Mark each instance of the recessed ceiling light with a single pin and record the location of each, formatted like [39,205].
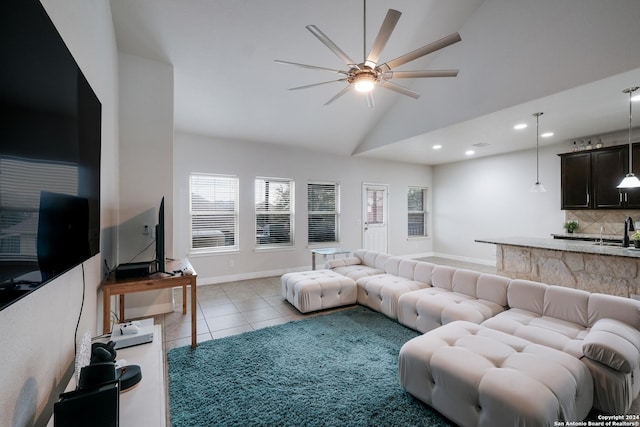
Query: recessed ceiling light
[520,126]
[437,147]
[469,152]
[547,134]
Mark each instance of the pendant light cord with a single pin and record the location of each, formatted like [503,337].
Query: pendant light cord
[631,90]
[538,146]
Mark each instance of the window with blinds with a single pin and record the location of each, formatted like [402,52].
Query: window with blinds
[417,211]
[20,200]
[323,210]
[214,212]
[274,212]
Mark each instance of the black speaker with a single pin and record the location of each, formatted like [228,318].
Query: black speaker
[92,407]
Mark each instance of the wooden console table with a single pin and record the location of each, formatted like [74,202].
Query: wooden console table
[156,281]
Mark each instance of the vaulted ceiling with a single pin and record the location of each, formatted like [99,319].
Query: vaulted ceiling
[570,59]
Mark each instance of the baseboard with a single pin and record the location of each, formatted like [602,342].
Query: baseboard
[248,276]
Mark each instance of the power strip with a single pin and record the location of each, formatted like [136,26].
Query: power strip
[144,336]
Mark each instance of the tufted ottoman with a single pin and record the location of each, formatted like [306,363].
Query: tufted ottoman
[477,376]
[318,289]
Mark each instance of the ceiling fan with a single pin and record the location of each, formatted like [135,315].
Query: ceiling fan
[364,76]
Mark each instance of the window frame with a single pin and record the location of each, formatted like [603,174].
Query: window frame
[424,212]
[335,212]
[235,213]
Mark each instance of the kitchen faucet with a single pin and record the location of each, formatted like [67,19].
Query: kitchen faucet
[628,226]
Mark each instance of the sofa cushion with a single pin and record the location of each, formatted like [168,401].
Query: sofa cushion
[567,304]
[442,277]
[493,288]
[544,330]
[356,271]
[423,271]
[603,306]
[429,308]
[480,377]
[614,344]
[465,282]
[381,292]
[402,267]
[526,295]
[372,258]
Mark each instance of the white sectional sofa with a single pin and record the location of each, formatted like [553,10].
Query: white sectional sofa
[599,332]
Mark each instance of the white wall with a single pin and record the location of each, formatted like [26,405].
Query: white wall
[489,197]
[146,169]
[247,160]
[37,332]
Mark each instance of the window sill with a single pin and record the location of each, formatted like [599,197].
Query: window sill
[210,252]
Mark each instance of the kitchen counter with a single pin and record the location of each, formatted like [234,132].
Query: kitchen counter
[608,268]
[608,248]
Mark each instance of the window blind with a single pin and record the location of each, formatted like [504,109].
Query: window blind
[274,211]
[322,207]
[417,212]
[214,212]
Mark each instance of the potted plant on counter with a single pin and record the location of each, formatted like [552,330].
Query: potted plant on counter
[571,226]
[635,238]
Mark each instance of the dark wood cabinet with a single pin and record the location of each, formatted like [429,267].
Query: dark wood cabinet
[589,179]
[608,168]
[575,180]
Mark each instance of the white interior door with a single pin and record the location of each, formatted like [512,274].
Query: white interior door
[374,217]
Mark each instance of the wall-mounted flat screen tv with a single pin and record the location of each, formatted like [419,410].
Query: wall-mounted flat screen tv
[50,129]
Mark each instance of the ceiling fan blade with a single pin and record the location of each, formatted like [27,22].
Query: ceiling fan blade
[311,67]
[424,50]
[400,89]
[370,101]
[382,38]
[317,84]
[419,74]
[346,89]
[331,45]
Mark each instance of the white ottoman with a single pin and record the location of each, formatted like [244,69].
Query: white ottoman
[318,289]
[477,376]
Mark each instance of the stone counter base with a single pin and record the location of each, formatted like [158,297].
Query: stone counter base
[611,275]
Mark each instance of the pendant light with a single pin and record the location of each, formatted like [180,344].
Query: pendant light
[537,187]
[630,181]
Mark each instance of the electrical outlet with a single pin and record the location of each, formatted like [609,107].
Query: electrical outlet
[232,263]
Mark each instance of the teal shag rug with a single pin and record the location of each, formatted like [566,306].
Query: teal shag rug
[339,369]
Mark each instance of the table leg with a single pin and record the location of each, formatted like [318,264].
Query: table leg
[121,304]
[106,312]
[194,303]
[184,299]
[313,260]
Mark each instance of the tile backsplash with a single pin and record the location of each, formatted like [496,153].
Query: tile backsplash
[590,221]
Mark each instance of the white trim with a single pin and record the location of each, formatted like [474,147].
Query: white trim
[202,281]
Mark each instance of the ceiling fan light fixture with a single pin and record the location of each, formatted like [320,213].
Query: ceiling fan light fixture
[364,82]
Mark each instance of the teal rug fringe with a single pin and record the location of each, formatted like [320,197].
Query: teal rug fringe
[339,369]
